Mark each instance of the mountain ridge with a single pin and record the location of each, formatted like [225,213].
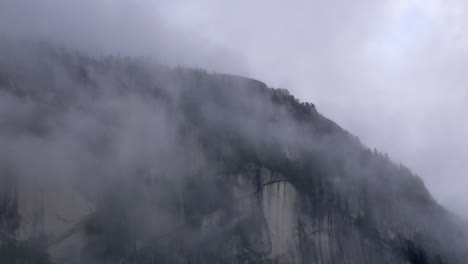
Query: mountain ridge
[123,160]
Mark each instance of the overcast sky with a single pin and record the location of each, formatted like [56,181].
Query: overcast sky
[394,73]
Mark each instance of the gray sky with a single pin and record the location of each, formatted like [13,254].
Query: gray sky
[391,72]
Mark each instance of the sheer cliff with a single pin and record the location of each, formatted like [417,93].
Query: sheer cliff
[122,160]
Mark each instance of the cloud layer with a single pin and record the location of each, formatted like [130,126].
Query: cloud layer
[391,72]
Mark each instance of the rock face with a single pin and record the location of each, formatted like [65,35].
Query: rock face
[285,233]
[52,216]
[115,160]
[276,222]
[294,234]
[280,207]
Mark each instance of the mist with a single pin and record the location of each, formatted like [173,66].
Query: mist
[390,72]
[99,98]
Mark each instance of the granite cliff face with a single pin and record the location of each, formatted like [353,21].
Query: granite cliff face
[117,160]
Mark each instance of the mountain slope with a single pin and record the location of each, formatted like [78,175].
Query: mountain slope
[121,160]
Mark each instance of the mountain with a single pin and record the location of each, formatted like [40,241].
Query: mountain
[123,160]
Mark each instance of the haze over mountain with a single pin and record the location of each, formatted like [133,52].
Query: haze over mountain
[123,160]
[98,123]
[389,71]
